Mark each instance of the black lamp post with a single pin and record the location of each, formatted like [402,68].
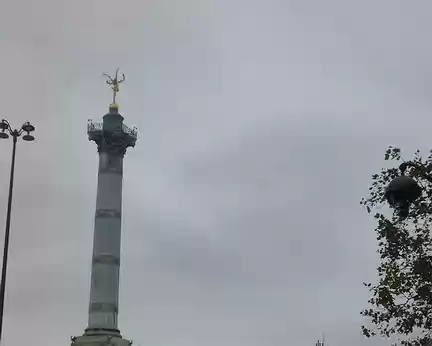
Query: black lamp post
[6,131]
[403,190]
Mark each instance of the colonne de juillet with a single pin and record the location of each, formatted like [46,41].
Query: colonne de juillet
[112,138]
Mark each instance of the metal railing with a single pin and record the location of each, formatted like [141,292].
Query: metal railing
[130,131]
[91,126]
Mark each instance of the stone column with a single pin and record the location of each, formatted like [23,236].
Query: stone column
[112,138]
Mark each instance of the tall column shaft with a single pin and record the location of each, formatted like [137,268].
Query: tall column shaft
[104,292]
[112,138]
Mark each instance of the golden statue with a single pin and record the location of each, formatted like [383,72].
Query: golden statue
[115,83]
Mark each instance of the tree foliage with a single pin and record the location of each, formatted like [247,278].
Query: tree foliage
[401,303]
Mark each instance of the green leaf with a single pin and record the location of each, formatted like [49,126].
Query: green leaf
[401,298]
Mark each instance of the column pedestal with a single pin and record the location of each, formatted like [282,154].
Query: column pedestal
[99,340]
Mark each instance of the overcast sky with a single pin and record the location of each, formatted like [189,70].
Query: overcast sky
[260,125]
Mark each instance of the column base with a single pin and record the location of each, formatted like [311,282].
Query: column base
[99,340]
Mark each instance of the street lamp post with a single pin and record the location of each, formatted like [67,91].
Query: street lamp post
[6,131]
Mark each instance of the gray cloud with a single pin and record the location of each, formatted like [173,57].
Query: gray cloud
[260,125]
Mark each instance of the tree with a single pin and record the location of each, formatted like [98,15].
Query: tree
[401,303]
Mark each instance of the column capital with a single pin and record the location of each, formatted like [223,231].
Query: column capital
[111,135]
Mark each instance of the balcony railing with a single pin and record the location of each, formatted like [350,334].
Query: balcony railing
[133,132]
[91,126]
